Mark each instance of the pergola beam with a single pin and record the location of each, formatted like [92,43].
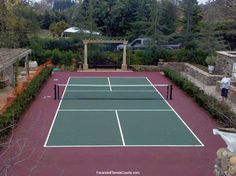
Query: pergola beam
[125,42]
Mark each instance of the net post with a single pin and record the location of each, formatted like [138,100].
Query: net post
[167,93]
[58,92]
[171,90]
[55,91]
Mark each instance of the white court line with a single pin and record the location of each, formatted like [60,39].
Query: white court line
[176,113]
[108,79]
[121,132]
[112,91]
[122,110]
[116,85]
[55,116]
[105,146]
[129,77]
[93,146]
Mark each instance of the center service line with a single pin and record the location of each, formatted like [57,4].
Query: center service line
[121,133]
[109,83]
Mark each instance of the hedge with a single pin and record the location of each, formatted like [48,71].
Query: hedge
[20,104]
[215,108]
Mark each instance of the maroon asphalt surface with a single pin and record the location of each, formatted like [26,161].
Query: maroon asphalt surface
[25,155]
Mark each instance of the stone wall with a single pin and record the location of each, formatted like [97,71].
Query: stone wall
[225,61]
[201,75]
[225,164]
[189,69]
[179,66]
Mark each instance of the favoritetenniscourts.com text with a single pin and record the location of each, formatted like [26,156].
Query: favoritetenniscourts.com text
[117,173]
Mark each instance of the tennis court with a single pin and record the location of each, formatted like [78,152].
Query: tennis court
[116,112]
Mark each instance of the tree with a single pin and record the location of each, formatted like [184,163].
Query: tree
[17,21]
[168,17]
[57,29]
[62,5]
[210,38]
[141,21]
[191,21]
[109,16]
[47,19]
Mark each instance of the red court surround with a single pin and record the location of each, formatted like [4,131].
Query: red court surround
[26,154]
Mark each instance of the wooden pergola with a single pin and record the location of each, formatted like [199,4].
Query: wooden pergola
[86,42]
[8,60]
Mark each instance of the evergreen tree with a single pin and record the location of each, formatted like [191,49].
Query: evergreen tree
[210,38]
[62,5]
[191,22]
[168,17]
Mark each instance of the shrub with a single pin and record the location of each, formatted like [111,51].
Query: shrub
[210,60]
[42,49]
[216,109]
[192,56]
[22,101]
[136,57]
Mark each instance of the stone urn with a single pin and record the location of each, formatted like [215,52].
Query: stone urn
[210,60]
[211,68]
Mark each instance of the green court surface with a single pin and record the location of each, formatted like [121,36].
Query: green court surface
[116,111]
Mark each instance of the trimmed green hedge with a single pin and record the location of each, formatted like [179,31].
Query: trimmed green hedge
[22,102]
[215,108]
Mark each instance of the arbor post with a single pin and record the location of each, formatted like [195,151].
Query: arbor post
[27,65]
[124,64]
[85,65]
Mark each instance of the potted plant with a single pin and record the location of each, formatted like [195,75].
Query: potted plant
[210,60]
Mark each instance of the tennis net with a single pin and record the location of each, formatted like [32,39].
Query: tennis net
[113,92]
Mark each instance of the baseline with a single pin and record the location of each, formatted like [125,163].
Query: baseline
[122,110]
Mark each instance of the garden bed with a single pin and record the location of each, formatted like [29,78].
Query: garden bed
[20,103]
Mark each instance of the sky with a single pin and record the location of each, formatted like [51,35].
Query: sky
[202,1]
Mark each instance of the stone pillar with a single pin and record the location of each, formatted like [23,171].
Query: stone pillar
[124,65]
[85,65]
[27,66]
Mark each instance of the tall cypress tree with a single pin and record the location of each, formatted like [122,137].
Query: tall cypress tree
[191,22]
[168,17]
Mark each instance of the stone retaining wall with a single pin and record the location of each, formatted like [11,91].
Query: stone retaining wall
[225,61]
[179,66]
[200,75]
[189,69]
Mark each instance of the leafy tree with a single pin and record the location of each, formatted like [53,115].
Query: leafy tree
[58,28]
